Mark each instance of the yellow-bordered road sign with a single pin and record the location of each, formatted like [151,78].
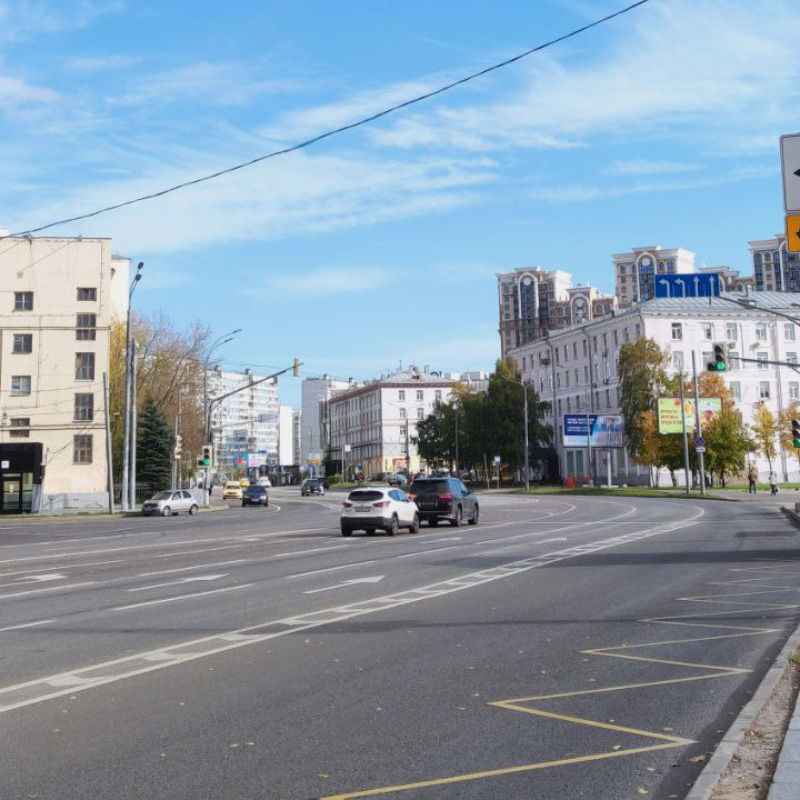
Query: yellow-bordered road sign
[793,233]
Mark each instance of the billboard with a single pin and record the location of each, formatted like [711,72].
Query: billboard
[669,413]
[606,430]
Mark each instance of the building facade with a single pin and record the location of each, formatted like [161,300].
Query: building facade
[373,424]
[636,272]
[286,436]
[58,300]
[775,269]
[244,427]
[315,430]
[576,369]
[297,421]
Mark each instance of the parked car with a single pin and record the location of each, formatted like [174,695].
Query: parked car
[378,508]
[232,491]
[445,498]
[255,496]
[397,479]
[311,486]
[170,502]
[264,481]
[381,477]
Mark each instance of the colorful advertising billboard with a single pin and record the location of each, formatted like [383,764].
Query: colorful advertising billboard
[606,430]
[669,413]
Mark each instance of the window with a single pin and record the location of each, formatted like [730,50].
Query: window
[706,357]
[677,360]
[731,332]
[566,375]
[585,348]
[788,331]
[763,390]
[85,326]
[23,343]
[616,338]
[677,331]
[82,449]
[736,390]
[638,331]
[791,358]
[420,413]
[569,405]
[735,363]
[574,349]
[402,413]
[626,335]
[566,353]
[438,395]
[586,373]
[20,427]
[419,395]
[794,390]
[84,407]
[762,357]
[761,332]
[403,432]
[84,366]
[23,301]
[708,330]
[401,395]
[20,385]
[87,293]
[608,398]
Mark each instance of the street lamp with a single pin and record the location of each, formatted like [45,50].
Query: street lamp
[129,419]
[525,388]
[224,339]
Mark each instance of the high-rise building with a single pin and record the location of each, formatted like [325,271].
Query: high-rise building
[59,299]
[285,437]
[297,417]
[635,272]
[775,269]
[314,430]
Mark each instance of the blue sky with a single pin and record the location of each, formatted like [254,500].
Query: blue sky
[381,244]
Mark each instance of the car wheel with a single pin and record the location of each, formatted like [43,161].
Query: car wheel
[394,526]
[346,531]
[456,521]
[473,520]
[166,511]
[243,504]
[415,524]
[193,510]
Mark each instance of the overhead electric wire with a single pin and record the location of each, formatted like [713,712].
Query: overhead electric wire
[350,126]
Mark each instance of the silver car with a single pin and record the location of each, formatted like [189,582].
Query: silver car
[170,502]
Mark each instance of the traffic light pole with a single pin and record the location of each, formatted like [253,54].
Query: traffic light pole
[699,434]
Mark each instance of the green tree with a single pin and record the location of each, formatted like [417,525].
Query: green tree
[765,429]
[785,421]
[727,444]
[641,377]
[435,437]
[154,447]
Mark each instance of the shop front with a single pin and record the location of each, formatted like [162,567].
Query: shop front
[20,472]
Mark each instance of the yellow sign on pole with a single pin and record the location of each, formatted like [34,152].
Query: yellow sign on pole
[793,233]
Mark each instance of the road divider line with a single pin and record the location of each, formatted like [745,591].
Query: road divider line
[27,625]
[60,588]
[329,569]
[182,597]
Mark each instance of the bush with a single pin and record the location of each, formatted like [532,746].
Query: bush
[334,479]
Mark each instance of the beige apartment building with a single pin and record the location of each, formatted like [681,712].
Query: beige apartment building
[58,298]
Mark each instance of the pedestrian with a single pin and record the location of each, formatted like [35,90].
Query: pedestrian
[773,483]
[210,489]
[752,479]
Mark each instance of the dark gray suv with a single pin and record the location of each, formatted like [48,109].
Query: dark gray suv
[444,498]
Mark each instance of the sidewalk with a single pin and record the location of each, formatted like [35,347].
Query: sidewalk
[786,783]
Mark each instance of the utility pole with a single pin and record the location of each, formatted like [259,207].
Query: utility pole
[133,431]
[458,471]
[109,453]
[175,455]
[685,438]
[527,446]
[126,425]
[699,434]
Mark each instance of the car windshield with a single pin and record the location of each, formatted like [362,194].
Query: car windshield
[232,485]
[163,496]
[429,487]
[365,495]
[313,483]
[256,490]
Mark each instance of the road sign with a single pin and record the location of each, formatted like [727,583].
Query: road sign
[700,449]
[706,284]
[347,448]
[790,164]
[793,233]
[497,461]
[700,442]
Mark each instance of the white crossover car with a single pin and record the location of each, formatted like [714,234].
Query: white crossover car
[373,508]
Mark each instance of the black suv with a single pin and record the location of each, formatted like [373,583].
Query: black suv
[255,496]
[444,498]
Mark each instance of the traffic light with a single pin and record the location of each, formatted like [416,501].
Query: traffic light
[796,432]
[208,455]
[721,360]
[296,368]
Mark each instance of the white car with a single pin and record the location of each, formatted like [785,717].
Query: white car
[264,482]
[168,503]
[375,508]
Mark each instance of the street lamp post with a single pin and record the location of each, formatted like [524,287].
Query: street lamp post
[224,339]
[526,455]
[127,400]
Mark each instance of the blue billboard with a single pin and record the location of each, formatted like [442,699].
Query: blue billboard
[606,430]
[707,284]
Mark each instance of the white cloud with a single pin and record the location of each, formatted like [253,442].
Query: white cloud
[23,20]
[317,282]
[17,96]
[100,63]
[643,166]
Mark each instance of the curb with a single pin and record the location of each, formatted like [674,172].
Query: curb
[709,777]
[793,516]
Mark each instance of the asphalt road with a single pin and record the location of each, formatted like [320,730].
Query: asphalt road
[583,648]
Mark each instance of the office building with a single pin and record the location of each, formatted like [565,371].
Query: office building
[314,429]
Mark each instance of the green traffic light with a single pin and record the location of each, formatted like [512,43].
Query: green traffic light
[796,443]
[720,366]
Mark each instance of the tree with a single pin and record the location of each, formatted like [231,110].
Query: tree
[435,437]
[641,372]
[785,421]
[727,444]
[154,447]
[765,428]
[650,446]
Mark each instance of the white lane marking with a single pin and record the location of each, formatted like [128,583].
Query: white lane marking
[149,661]
[47,569]
[344,584]
[48,589]
[314,550]
[428,552]
[182,597]
[53,576]
[557,539]
[190,579]
[330,569]
[27,625]
[187,569]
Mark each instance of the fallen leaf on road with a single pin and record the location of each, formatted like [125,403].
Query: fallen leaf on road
[698,759]
[643,791]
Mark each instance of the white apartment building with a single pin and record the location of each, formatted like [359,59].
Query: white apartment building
[58,299]
[576,369]
[244,427]
[372,424]
[297,418]
[314,430]
[774,267]
[635,272]
[286,436]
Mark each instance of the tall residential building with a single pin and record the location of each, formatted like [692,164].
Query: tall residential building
[314,430]
[244,427]
[58,300]
[285,437]
[774,268]
[635,272]
[373,424]
[731,280]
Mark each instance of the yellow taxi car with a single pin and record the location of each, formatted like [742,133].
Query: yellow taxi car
[232,491]
[244,483]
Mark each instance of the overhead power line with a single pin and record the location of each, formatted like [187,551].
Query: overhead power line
[358,123]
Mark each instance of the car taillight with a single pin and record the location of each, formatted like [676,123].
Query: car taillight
[412,497]
[381,504]
[445,497]
[347,504]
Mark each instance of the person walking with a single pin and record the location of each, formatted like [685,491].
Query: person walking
[752,479]
[773,483]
